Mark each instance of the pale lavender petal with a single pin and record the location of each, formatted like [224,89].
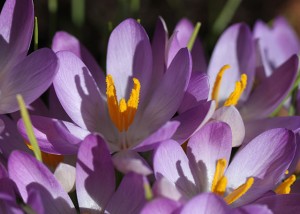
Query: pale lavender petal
[163,133]
[129,55]
[253,209]
[25,170]
[173,47]
[165,188]
[64,41]
[197,90]
[266,158]
[78,94]
[169,93]
[235,47]
[42,201]
[192,120]
[130,161]
[159,43]
[211,143]
[160,206]
[232,117]
[278,43]
[10,139]
[30,78]
[55,136]
[171,162]
[65,174]
[270,93]
[256,127]
[185,30]
[279,204]
[206,203]
[16,27]
[130,195]
[94,187]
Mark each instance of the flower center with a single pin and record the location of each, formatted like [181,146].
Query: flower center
[237,92]
[121,112]
[220,182]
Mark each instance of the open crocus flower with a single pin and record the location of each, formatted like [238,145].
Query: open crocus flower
[20,74]
[232,75]
[95,183]
[256,168]
[134,110]
[205,203]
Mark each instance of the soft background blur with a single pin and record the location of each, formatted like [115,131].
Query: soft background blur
[92,20]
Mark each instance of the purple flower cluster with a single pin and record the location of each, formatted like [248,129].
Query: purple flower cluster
[161,131]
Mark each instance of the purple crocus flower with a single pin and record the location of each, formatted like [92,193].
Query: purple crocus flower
[95,183]
[20,74]
[135,109]
[205,203]
[255,169]
[237,47]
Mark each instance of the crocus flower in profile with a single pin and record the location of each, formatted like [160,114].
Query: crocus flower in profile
[205,203]
[20,74]
[255,169]
[95,183]
[134,110]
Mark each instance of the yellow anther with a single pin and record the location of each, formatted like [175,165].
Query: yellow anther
[122,113]
[285,186]
[218,177]
[221,186]
[286,172]
[239,192]
[238,90]
[217,84]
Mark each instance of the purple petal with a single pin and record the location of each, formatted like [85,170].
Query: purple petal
[25,170]
[197,90]
[64,41]
[129,55]
[253,208]
[10,139]
[277,43]
[165,188]
[8,198]
[94,187]
[169,93]
[16,26]
[281,203]
[206,203]
[130,195]
[164,133]
[55,136]
[158,50]
[270,93]
[30,78]
[236,48]
[266,158]
[256,127]
[192,120]
[232,117]
[171,162]
[211,143]
[78,94]
[185,30]
[55,108]
[160,206]
[130,161]
[42,202]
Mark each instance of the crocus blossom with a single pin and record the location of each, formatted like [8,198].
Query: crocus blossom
[256,168]
[20,74]
[131,114]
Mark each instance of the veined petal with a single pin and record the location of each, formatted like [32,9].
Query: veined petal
[160,206]
[64,41]
[30,78]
